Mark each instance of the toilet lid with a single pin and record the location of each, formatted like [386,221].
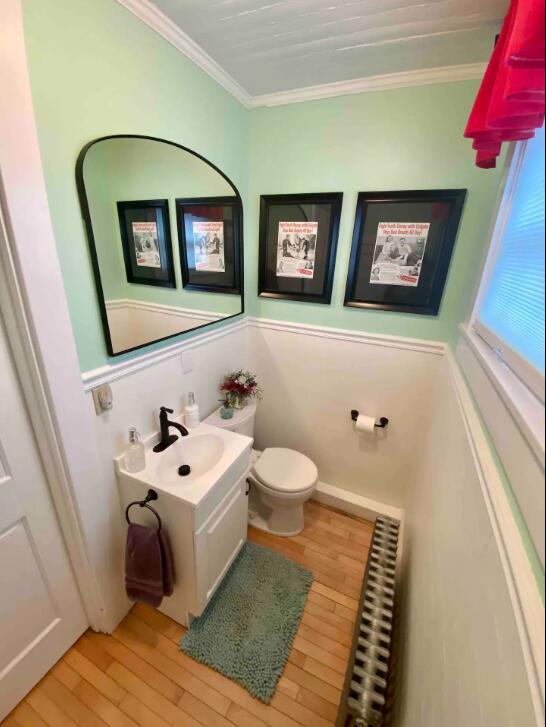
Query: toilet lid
[286,470]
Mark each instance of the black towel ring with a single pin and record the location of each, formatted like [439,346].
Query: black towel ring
[152,495]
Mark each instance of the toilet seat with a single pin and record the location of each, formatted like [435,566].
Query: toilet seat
[285,471]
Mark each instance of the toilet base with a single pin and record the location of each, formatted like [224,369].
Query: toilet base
[261,523]
[285,519]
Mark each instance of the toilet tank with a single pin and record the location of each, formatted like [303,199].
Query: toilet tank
[242,422]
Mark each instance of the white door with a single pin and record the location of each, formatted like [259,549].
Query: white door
[41,613]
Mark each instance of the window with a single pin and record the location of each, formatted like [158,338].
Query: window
[510,311]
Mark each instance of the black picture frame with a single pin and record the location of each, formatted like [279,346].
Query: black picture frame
[90,234]
[426,274]
[210,210]
[146,212]
[320,209]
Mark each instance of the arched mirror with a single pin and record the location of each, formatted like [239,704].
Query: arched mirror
[165,233]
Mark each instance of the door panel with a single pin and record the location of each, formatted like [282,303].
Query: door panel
[41,614]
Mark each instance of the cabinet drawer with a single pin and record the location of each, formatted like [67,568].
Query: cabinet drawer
[218,542]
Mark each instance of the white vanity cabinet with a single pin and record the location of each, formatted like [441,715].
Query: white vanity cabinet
[205,518]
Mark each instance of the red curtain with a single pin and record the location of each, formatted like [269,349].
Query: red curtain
[510,103]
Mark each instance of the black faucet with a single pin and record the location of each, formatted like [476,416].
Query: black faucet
[165,425]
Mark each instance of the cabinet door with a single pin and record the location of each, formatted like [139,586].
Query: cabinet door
[219,541]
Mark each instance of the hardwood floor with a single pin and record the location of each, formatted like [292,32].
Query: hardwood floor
[137,676]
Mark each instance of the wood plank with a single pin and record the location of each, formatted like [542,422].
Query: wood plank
[311,683]
[101,706]
[319,654]
[333,648]
[140,713]
[343,624]
[347,601]
[159,622]
[149,697]
[329,675]
[48,710]
[341,636]
[317,704]
[68,703]
[289,688]
[202,714]
[27,717]
[301,714]
[154,678]
[92,674]
[96,656]
[238,716]
[66,675]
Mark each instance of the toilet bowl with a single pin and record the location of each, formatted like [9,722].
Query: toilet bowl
[282,480]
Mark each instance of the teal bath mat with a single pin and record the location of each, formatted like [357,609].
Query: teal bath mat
[248,629]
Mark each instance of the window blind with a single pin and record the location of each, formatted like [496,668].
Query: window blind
[512,308]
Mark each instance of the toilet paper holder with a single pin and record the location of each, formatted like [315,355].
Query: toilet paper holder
[382,424]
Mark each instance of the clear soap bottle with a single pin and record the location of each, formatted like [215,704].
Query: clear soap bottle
[135,457]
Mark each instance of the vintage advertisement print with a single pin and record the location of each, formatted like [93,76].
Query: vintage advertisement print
[208,242]
[146,241]
[399,251]
[296,249]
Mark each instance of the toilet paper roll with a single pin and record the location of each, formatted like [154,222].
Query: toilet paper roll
[365,425]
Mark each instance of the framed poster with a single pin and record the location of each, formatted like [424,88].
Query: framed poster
[402,248]
[146,239]
[208,236]
[298,243]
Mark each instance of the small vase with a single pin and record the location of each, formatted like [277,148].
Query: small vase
[227,412]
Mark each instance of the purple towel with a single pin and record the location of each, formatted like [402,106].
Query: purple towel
[149,572]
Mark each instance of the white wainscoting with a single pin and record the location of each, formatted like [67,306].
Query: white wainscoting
[516,426]
[474,615]
[313,377]
[473,619]
[134,322]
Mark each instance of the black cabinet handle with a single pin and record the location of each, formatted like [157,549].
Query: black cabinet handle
[249,483]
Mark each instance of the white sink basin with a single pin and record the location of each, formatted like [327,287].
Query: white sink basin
[211,454]
[201,452]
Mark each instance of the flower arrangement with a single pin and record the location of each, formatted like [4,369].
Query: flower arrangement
[238,388]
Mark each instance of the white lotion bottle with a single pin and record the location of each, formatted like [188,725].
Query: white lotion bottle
[135,456]
[191,412]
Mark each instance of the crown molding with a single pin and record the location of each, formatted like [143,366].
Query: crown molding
[422,77]
[161,24]
[158,21]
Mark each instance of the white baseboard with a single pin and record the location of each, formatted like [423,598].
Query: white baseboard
[354,504]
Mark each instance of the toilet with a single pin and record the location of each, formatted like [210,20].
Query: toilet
[282,479]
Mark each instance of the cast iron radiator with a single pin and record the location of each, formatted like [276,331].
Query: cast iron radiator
[367,684]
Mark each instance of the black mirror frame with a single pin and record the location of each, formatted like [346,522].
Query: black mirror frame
[86,214]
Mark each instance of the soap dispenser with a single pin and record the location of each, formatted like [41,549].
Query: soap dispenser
[135,457]
[191,412]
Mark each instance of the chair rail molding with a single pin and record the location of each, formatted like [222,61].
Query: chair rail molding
[170,310]
[113,372]
[437,348]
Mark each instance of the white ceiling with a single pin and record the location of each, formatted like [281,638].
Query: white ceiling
[269,46]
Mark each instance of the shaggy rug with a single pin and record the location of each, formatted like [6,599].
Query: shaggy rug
[247,630]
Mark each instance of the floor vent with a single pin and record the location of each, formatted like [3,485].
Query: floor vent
[366,687]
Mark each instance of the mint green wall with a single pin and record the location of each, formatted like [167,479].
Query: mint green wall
[97,70]
[136,169]
[407,138]
[92,75]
